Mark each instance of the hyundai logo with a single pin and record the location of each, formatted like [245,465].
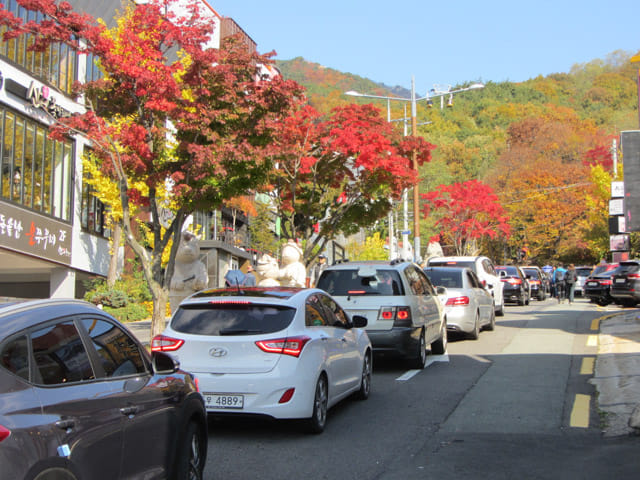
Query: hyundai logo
[218,352]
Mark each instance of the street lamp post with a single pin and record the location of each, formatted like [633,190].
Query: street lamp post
[414,155]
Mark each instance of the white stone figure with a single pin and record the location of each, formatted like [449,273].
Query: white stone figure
[292,273]
[190,274]
[267,271]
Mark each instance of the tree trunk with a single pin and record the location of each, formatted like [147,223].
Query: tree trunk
[112,275]
[160,299]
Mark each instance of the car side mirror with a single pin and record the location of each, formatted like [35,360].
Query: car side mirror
[164,363]
[359,321]
[440,290]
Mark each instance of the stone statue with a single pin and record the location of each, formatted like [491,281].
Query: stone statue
[267,271]
[293,273]
[189,274]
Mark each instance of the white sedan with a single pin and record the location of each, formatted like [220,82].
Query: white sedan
[275,351]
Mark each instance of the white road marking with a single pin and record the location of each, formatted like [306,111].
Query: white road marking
[409,374]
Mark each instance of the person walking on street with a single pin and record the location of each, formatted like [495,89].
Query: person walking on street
[558,278]
[570,279]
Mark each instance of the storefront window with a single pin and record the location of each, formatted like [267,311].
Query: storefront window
[35,169]
[57,65]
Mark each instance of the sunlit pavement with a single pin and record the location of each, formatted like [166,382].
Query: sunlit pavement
[617,370]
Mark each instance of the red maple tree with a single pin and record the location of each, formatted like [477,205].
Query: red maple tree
[467,212]
[339,172]
[168,109]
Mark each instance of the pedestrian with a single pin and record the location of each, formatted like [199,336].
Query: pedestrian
[558,278]
[249,278]
[570,279]
[317,269]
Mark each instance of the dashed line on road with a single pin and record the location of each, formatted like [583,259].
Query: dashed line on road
[595,324]
[592,341]
[409,374]
[587,367]
[580,411]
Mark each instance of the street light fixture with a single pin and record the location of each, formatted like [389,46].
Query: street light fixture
[414,128]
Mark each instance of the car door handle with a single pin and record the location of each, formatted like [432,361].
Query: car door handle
[65,424]
[129,410]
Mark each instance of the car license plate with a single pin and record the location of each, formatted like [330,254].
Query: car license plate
[223,400]
[620,280]
[592,284]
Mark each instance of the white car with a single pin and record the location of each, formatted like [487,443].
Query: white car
[275,351]
[467,304]
[484,268]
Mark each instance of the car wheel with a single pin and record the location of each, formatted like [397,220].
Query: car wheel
[492,322]
[521,300]
[318,419]
[365,380]
[526,302]
[420,360]
[439,347]
[55,473]
[603,302]
[500,311]
[191,454]
[475,333]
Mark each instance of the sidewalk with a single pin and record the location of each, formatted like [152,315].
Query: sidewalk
[617,372]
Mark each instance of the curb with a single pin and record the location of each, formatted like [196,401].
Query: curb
[617,372]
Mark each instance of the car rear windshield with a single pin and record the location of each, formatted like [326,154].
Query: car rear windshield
[453,263]
[583,272]
[627,267]
[445,278]
[532,272]
[232,319]
[511,271]
[347,282]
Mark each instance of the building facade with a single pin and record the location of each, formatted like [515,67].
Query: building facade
[52,230]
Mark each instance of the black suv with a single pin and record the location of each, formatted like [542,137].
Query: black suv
[81,398]
[625,283]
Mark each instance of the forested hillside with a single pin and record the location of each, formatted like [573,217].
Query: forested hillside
[544,145]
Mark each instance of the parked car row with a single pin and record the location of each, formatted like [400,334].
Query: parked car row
[614,283]
[78,390]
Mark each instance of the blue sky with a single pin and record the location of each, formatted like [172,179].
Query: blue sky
[440,42]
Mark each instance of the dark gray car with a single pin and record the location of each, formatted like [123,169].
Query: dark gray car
[80,398]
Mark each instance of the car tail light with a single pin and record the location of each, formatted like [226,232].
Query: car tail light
[457,301]
[401,316]
[230,302]
[162,343]
[534,282]
[286,396]
[633,275]
[4,433]
[606,282]
[286,346]
[514,281]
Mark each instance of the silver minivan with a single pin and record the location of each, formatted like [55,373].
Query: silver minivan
[404,314]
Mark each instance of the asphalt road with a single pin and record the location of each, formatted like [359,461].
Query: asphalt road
[514,404]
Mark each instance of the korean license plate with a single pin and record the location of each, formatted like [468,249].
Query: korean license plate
[592,284]
[223,401]
[620,280]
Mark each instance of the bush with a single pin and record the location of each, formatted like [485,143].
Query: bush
[128,300]
[132,312]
